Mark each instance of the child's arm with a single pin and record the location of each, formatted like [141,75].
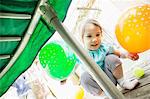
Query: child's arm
[132,56]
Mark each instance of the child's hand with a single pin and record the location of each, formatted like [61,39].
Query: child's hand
[133,56]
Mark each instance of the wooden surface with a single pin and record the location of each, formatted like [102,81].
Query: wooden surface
[142,91]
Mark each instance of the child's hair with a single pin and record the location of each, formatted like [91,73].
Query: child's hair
[89,21]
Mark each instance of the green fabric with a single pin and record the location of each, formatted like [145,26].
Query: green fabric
[18,6]
[8,48]
[57,5]
[37,40]
[13,27]
[26,58]
[3,62]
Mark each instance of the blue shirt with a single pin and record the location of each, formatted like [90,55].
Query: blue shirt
[100,54]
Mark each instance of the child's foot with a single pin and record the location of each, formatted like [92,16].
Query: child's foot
[129,84]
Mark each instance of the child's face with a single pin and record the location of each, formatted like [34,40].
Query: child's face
[92,37]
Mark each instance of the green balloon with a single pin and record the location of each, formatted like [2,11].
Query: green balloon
[58,60]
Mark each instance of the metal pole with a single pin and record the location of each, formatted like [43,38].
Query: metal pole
[108,87]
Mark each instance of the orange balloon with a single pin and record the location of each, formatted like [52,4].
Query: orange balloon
[133,29]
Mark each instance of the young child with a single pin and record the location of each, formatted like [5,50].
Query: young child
[106,57]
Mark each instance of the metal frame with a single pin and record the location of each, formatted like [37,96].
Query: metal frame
[101,78]
[84,8]
[14,16]
[3,39]
[4,56]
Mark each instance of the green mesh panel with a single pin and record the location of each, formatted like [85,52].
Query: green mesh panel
[13,27]
[37,40]
[18,6]
[8,47]
[3,62]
